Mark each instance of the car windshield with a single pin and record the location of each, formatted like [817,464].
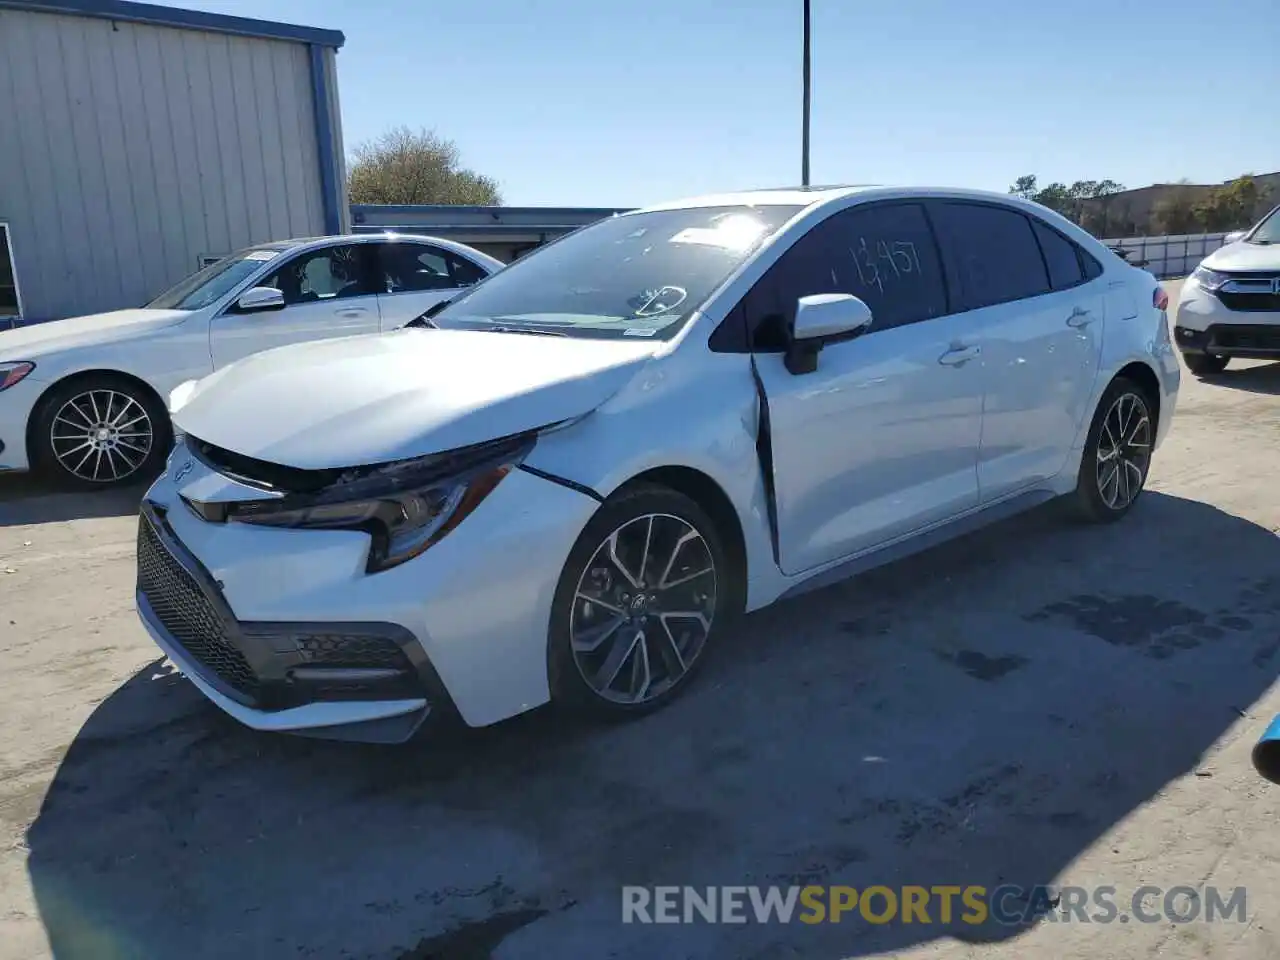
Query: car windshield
[1268,231]
[214,281]
[632,275]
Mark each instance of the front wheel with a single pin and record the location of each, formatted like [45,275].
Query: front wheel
[99,432]
[643,595]
[1204,364]
[1117,453]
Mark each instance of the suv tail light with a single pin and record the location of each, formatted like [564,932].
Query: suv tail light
[1160,299]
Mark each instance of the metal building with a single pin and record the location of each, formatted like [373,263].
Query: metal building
[502,232]
[140,141]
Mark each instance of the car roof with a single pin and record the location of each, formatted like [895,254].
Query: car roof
[814,195]
[299,243]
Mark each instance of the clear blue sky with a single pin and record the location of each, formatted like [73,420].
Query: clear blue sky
[627,102]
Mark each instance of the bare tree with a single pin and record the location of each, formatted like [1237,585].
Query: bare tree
[407,166]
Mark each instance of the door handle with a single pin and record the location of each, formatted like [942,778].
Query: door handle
[353,312]
[959,356]
[1079,318]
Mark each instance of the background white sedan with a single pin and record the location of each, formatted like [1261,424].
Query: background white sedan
[81,399]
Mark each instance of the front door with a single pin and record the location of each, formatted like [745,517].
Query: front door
[882,439]
[1027,291]
[416,276]
[327,293]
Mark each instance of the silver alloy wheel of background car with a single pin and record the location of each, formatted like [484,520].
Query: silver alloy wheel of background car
[643,608]
[1124,451]
[101,436]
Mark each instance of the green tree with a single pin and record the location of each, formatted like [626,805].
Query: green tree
[1232,206]
[407,166]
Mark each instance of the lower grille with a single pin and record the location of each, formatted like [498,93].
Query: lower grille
[1247,337]
[344,650]
[186,613]
[1251,302]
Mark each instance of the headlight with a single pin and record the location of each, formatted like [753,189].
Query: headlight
[11,373]
[1210,280]
[406,506]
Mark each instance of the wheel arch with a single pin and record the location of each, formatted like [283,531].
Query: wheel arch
[708,494]
[104,373]
[1146,378]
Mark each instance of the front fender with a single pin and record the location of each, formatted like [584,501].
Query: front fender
[674,416]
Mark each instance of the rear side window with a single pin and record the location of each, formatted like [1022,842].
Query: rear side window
[884,254]
[1061,256]
[994,250]
[1092,268]
[413,267]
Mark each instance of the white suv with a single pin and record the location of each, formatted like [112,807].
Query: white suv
[1230,305]
[80,399]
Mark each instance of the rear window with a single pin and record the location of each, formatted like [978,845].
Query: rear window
[995,252]
[1061,256]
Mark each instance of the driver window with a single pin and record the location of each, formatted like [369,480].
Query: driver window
[884,254]
[333,273]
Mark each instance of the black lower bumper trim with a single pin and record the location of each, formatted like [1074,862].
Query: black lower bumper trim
[1248,341]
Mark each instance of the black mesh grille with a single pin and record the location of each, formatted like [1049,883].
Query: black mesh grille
[1251,302]
[1244,337]
[342,650]
[185,612]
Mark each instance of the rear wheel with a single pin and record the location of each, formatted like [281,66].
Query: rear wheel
[98,432]
[1204,364]
[642,597]
[1117,453]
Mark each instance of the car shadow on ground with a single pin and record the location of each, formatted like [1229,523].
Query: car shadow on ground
[28,499]
[1256,379]
[981,714]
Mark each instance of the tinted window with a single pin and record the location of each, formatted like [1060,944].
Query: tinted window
[414,266]
[1059,255]
[884,254]
[334,273]
[1092,268]
[994,251]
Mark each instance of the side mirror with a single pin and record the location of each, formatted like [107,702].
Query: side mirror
[821,318]
[1233,236]
[259,299]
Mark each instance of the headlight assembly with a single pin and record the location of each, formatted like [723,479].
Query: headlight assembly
[11,373]
[406,506]
[1210,280]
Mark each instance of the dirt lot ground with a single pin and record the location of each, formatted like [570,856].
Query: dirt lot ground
[1038,703]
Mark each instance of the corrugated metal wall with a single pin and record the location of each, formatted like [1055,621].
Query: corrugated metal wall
[127,151]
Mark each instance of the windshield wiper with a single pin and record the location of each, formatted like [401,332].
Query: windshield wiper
[532,331]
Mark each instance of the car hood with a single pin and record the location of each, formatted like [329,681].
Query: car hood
[41,339]
[373,399]
[1245,256]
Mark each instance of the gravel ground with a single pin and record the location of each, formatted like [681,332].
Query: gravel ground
[1039,703]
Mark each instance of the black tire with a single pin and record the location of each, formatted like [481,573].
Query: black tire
[1205,364]
[662,647]
[122,458]
[1097,498]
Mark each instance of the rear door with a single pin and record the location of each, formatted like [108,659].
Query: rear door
[882,438]
[1024,287]
[414,276]
[327,293]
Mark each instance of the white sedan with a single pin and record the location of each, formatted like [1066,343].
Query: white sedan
[565,484]
[80,399]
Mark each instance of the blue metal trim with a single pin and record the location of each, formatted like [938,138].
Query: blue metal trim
[127,11]
[495,212]
[330,189]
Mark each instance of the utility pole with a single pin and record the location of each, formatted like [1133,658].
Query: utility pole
[804,147]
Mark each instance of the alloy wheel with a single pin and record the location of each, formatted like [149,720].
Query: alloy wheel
[1124,451]
[643,608]
[101,436]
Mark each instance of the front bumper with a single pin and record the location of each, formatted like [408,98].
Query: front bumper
[16,405]
[469,617]
[1203,323]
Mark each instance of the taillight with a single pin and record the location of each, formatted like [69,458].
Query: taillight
[1160,299]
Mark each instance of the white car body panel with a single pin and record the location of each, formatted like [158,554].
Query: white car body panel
[883,448]
[399,395]
[165,348]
